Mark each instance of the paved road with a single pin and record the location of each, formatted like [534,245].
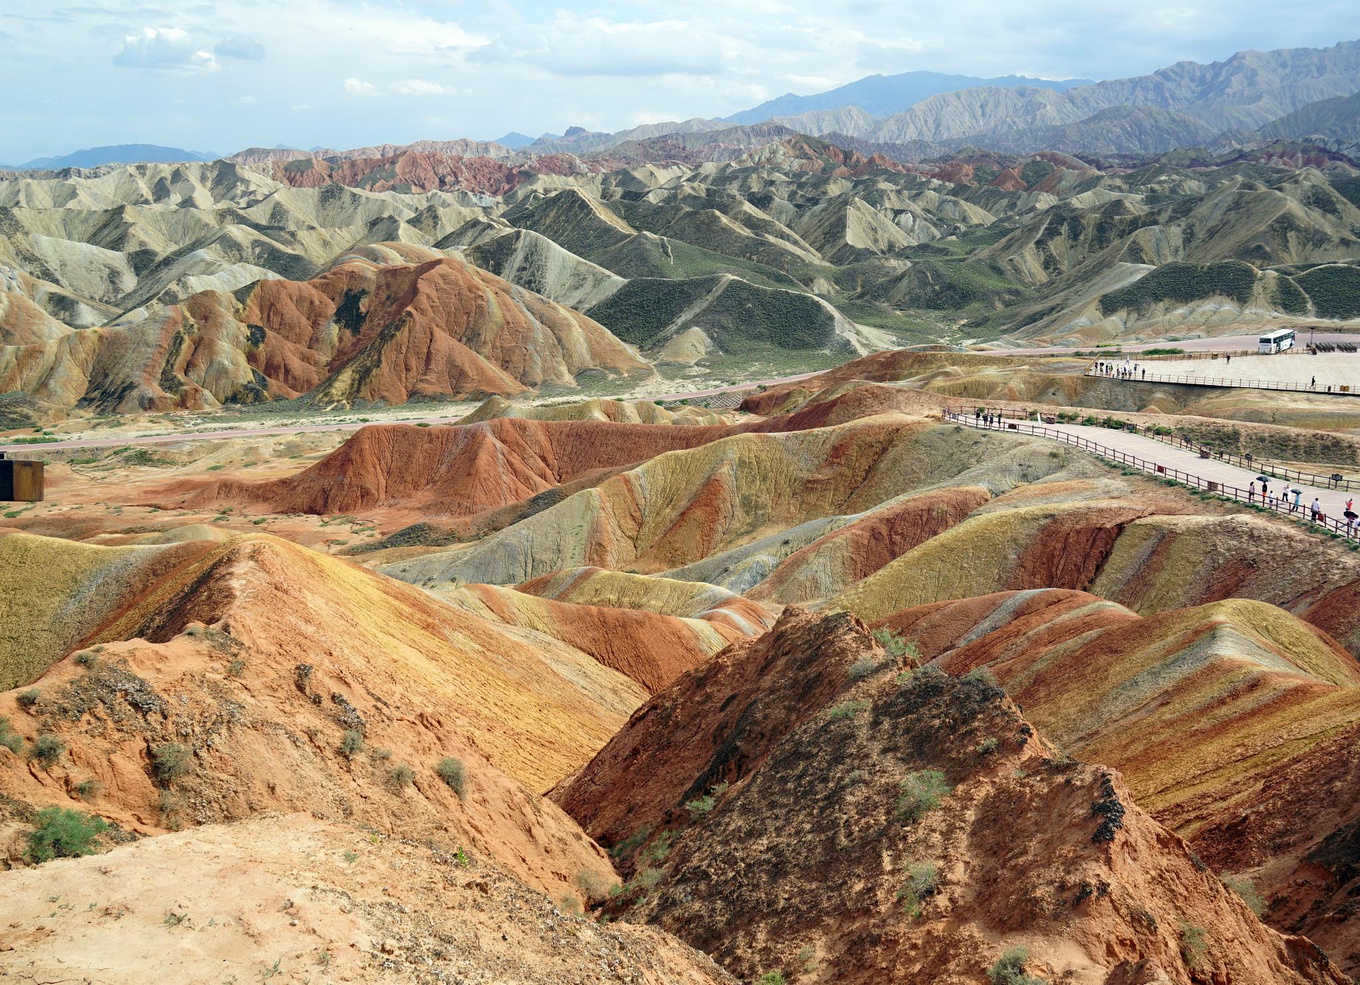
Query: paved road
[166,439]
[1224,343]
[1333,501]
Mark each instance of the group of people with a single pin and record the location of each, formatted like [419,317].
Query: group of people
[1129,371]
[1285,500]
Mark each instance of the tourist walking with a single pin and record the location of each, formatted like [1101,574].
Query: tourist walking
[1298,494]
[1317,509]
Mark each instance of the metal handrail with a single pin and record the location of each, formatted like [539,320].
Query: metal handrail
[1241,461]
[1188,379]
[1350,531]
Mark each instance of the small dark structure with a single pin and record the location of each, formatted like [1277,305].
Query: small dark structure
[20,481]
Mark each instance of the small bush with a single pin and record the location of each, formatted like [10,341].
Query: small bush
[706,803]
[9,738]
[771,978]
[403,775]
[351,743]
[28,698]
[236,668]
[87,658]
[63,834]
[921,793]
[1244,887]
[862,668]
[630,844]
[660,848]
[1194,947]
[895,646]
[569,905]
[88,789]
[170,761]
[845,710]
[47,749]
[981,675]
[1009,969]
[595,887]
[922,879]
[987,746]
[380,753]
[450,770]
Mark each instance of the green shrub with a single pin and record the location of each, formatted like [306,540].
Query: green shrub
[771,978]
[88,789]
[170,761]
[630,844]
[402,775]
[236,668]
[706,803]
[659,848]
[351,743]
[9,738]
[987,746]
[922,879]
[981,675]
[595,887]
[1194,947]
[87,658]
[921,793]
[63,834]
[451,771]
[47,749]
[1244,887]
[28,698]
[895,646]
[845,710]
[1009,969]
[862,668]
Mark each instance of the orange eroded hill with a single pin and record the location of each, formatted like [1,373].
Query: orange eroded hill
[461,471]
[793,806]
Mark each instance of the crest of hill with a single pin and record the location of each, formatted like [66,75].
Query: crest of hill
[446,915]
[769,730]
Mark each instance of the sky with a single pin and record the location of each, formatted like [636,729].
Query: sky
[232,74]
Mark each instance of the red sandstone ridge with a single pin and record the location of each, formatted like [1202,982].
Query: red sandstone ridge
[406,170]
[454,471]
[768,809]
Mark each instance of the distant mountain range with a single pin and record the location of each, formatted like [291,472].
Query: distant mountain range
[93,157]
[884,95]
[1250,100]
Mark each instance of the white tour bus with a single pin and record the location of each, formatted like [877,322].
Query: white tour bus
[1276,341]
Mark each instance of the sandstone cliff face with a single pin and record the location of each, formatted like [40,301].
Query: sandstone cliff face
[866,827]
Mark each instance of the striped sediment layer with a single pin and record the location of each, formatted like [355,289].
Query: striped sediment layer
[1233,722]
[686,506]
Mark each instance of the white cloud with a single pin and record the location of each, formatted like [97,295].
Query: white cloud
[356,87]
[418,87]
[408,87]
[164,48]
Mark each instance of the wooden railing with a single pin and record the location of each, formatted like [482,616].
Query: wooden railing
[1000,422]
